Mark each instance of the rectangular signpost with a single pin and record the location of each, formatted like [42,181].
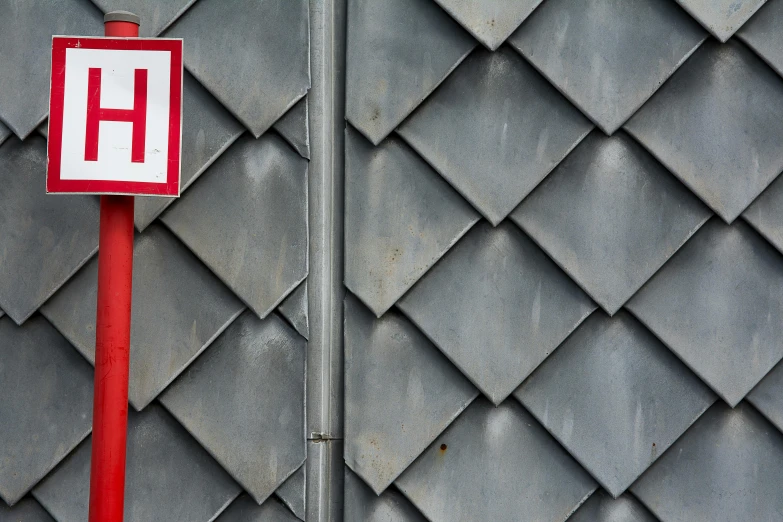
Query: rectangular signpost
[115,127]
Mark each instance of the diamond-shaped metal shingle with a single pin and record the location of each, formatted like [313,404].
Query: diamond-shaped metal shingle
[362,505]
[499,464]
[155,16]
[5,132]
[400,218]
[490,21]
[179,307]
[246,218]
[207,130]
[727,467]
[244,509]
[721,17]
[45,404]
[258,69]
[717,304]
[717,125]
[494,130]
[767,396]
[601,507]
[43,239]
[615,397]
[608,56]
[610,215]
[398,52]
[295,128]
[26,510]
[292,492]
[400,393]
[168,476]
[26,30]
[764,34]
[243,400]
[497,306]
[765,214]
[294,309]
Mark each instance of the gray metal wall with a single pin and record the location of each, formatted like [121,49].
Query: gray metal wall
[558,224]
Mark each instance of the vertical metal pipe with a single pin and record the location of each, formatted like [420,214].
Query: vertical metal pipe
[325,280]
[112,338]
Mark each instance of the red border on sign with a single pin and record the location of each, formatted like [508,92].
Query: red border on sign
[54,184]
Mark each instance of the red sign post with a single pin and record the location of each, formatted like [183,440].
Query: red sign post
[114,129]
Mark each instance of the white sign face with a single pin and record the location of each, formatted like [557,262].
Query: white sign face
[115,116]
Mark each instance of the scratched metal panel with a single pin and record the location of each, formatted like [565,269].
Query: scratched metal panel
[294,309]
[292,492]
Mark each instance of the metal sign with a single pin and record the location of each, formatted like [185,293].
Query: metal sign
[115,116]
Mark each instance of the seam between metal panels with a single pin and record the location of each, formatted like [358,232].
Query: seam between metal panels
[325,280]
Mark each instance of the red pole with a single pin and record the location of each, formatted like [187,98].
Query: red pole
[112,336]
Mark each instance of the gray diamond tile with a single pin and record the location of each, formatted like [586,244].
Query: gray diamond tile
[398,52]
[243,400]
[207,131]
[716,304]
[45,406]
[721,138]
[767,396]
[400,393]
[765,214]
[258,69]
[490,21]
[155,16]
[294,309]
[727,467]
[292,492]
[400,218]
[615,398]
[610,215]
[608,56]
[499,464]
[5,132]
[244,509]
[43,239]
[362,505]
[43,129]
[179,308]
[495,110]
[26,510]
[721,17]
[26,30]
[601,507]
[168,476]
[257,243]
[497,306]
[764,34]
[294,127]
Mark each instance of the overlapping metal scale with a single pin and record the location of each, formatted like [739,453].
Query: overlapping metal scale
[563,263]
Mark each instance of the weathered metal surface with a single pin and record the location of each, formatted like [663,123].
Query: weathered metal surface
[531,476]
[26,30]
[716,304]
[43,239]
[422,42]
[324,480]
[362,505]
[168,476]
[155,16]
[292,492]
[601,507]
[400,218]
[727,467]
[5,133]
[179,307]
[26,510]
[615,398]
[400,393]
[608,56]
[253,421]
[295,129]
[244,509]
[765,214]
[207,130]
[294,309]
[610,215]
[490,21]
[764,34]
[45,405]
[260,67]
[719,137]
[721,17]
[767,396]
[520,129]
[497,306]
[247,220]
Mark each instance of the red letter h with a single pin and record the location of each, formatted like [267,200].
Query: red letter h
[137,115]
